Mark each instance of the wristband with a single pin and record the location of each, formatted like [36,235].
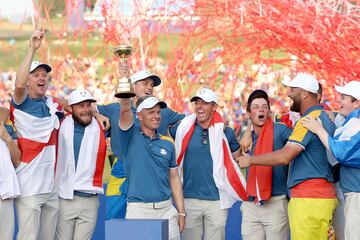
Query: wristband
[182,214]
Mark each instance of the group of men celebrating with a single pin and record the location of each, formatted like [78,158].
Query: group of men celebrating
[170,166]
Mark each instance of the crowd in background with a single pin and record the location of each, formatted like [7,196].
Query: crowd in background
[232,85]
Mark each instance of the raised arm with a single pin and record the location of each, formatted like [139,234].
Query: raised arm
[22,75]
[126,118]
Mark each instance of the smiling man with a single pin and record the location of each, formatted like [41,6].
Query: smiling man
[143,83]
[312,192]
[265,214]
[204,149]
[151,167]
[36,119]
[81,156]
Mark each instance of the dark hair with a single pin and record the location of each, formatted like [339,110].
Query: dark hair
[257,94]
[141,99]
[320,89]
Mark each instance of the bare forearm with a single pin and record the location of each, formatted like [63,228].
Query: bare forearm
[177,193]
[64,103]
[15,153]
[22,76]
[4,114]
[126,118]
[270,159]
[279,157]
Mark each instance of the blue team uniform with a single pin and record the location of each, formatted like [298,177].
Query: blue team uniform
[116,199]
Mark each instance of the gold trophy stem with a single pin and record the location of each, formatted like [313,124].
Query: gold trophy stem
[124,87]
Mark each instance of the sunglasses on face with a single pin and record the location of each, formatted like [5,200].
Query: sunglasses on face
[204,137]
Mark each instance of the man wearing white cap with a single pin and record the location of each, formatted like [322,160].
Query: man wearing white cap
[79,172]
[212,182]
[151,169]
[36,119]
[143,83]
[344,145]
[9,185]
[312,192]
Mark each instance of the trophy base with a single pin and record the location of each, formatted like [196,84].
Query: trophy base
[124,94]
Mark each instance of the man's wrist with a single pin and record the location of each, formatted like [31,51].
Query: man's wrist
[183,214]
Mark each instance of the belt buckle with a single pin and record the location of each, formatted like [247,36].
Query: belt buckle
[154,206]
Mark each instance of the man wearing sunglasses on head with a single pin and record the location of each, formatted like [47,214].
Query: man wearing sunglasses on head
[204,150]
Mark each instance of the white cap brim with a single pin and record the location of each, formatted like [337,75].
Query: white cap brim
[80,95]
[149,103]
[43,65]
[346,91]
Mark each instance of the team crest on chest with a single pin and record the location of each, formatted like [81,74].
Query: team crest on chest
[163,152]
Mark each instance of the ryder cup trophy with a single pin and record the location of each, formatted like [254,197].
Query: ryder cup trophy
[124,88]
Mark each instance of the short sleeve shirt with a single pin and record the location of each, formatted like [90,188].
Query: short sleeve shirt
[148,162]
[312,161]
[198,180]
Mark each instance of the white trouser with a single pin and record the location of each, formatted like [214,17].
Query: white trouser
[339,215]
[77,218]
[7,219]
[267,221]
[205,220]
[352,216]
[161,210]
[37,216]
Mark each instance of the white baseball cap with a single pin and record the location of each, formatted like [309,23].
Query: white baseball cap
[143,74]
[352,88]
[80,95]
[36,64]
[205,94]
[304,81]
[149,102]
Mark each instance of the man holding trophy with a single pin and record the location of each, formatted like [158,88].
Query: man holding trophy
[142,84]
[149,158]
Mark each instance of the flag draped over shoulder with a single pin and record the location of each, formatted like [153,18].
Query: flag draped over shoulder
[227,176]
[346,141]
[259,183]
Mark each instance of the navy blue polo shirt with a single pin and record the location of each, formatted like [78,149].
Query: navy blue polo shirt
[279,173]
[112,111]
[148,162]
[312,161]
[198,180]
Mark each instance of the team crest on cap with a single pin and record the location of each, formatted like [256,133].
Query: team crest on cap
[163,152]
[83,93]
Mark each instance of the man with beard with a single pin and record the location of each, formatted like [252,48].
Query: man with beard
[312,192]
[151,167]
[265,215]
[143,83]
[81,156]
[36,119]
[212,181]
[345,148]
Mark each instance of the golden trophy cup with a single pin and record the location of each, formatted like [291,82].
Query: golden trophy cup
[124,88]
